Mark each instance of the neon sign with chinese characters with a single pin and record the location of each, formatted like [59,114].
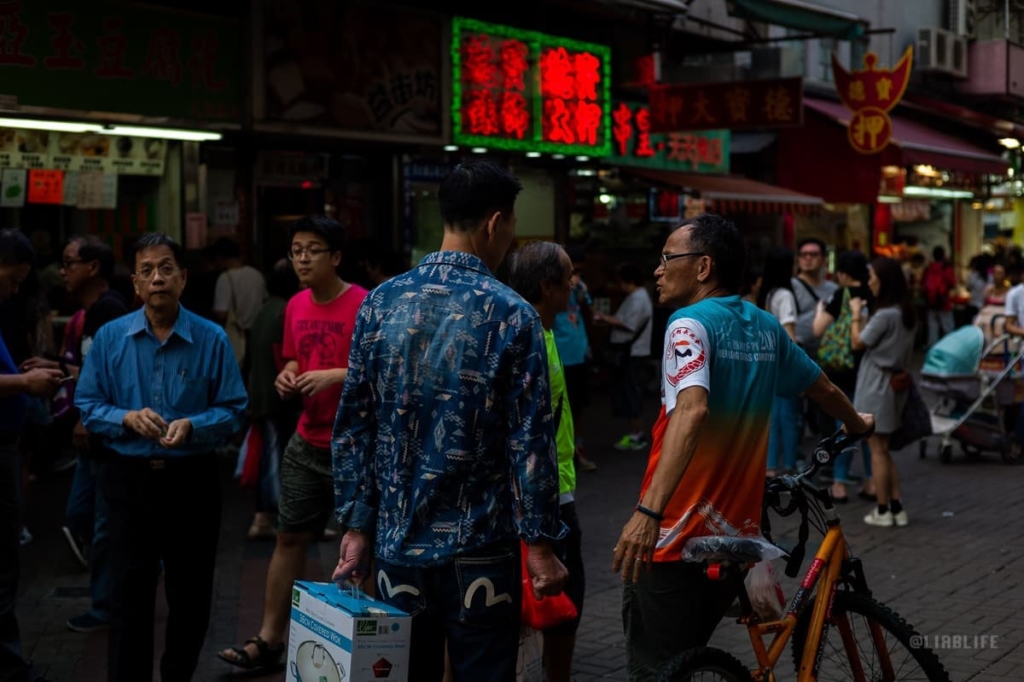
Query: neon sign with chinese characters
[633,144]
[524,90]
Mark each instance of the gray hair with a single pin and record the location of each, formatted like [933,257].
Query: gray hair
[532,266]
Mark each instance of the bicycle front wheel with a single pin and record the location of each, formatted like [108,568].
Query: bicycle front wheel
[704,664]
[868,641]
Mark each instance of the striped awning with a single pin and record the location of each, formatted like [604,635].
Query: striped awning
[733,194]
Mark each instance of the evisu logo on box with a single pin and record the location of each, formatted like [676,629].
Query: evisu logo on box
[382,668]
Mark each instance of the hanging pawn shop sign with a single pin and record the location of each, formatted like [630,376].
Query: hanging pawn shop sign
[870,94]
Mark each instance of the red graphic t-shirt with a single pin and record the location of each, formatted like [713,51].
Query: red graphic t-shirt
[318,336]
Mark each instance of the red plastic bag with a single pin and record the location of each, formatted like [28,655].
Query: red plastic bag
[547,612]
[253,453]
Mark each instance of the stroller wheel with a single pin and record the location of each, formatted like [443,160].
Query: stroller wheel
[922,448]
[946,454]
[1011,454]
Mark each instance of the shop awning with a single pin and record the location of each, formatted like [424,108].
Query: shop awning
[732,194]
[800,15]
[920,144]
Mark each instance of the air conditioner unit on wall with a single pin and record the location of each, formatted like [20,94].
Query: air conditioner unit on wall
[939,51]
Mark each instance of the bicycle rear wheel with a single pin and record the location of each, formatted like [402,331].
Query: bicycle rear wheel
[868,641]
[704,664]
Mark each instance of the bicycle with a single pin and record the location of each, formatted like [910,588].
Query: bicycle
[866,649]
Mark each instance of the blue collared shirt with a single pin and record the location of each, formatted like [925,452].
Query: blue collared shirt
[444,440]
[192,375]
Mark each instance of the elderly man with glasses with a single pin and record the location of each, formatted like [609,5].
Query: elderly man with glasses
[160,390]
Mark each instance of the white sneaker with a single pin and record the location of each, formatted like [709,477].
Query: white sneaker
[875,519]
[901,519]
[24,538]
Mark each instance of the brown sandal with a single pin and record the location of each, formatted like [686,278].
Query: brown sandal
[258,532]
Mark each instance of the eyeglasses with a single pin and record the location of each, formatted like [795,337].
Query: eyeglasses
[810,254]
[310,251]
[66,264]
[165,270]
[666,257]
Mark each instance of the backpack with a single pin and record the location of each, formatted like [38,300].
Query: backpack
[936,285]
[836,352]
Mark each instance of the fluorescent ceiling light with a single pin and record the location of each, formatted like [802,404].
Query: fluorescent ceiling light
[937,193]
[59,126]
[533,155]
[884,199]
[583,159]
[1010,142]
[558,157]
[165,133]
[479,150]
[451,147]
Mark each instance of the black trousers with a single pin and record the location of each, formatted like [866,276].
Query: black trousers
[160,509]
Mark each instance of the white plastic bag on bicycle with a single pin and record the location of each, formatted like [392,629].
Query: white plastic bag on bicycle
[765,592]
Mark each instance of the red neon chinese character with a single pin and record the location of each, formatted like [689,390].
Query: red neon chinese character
[588,75]
[645,70]
[64,42]
[515,119]
[113,44]
[162,62]
[622,129]
[514,64]
[643,138]
[556,74]
[482,113]
[558,121]
[203,62]
[703,150]
[682,147]
[701,107]
[477,64]
[715,152]
[13,34]
[587,117]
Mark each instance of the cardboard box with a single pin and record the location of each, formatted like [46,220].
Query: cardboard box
[345,636]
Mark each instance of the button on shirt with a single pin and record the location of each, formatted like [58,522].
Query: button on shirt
[193,374]
[444,439]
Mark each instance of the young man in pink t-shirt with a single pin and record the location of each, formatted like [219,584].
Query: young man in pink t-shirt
[318,325]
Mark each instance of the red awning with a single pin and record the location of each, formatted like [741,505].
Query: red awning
[729,193]
[918,143]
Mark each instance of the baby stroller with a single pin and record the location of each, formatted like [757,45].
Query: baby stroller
[972,382]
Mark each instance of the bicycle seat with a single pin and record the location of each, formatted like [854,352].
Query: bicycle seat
[724,548]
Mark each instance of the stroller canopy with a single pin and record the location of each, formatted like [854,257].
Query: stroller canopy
[958,352]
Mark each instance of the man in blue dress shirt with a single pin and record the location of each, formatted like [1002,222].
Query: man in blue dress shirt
[161,389]
[443,446]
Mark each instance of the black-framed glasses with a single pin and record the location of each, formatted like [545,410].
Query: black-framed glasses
[66,264]
[166,270]
[666,257]
[809,254]
[312,252]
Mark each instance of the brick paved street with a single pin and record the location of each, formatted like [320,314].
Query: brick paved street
[957,570]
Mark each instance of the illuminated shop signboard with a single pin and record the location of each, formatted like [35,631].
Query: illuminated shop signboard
[633,143]
[523,90]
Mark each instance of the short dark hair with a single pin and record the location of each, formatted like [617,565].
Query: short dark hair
[226,247]
[155,240]
[854,264]
[92,248]
[282,282]
[15,248]
[328,229]
[721,239]
[629,273]
[777,274]
[938,254]
[475,190]
[532,266]
[811,240]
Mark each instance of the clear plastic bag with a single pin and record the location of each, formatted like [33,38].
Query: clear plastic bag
[765,592]
[734,548]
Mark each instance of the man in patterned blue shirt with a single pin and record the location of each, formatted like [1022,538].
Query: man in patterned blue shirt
[443,447]
[160,390]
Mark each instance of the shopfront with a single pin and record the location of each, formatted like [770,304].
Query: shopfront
[101,115]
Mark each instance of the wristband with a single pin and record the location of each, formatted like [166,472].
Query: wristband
[650,512]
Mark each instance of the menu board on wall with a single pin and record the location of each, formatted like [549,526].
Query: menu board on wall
[44,149]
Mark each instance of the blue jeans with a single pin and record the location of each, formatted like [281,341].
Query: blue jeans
[841,469]
[784,437]
[483,636]
[86,516]
[940,323]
